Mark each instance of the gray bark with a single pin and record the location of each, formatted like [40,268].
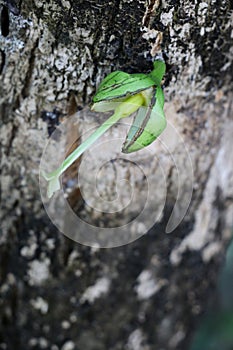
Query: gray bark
[150,294]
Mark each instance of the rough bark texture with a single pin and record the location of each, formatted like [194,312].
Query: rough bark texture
[55,293]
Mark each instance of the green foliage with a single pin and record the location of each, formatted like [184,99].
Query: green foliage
[124,94]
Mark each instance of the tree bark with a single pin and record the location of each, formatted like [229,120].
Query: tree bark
[150,294]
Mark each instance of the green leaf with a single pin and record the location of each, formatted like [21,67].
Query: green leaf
[158,71]
[119,84]
[148,124]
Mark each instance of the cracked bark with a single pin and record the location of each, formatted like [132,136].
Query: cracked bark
[53,55]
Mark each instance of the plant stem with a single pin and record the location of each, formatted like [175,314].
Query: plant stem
[53,177]
[124,109]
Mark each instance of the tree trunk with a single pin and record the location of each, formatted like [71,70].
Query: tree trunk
[56,293]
